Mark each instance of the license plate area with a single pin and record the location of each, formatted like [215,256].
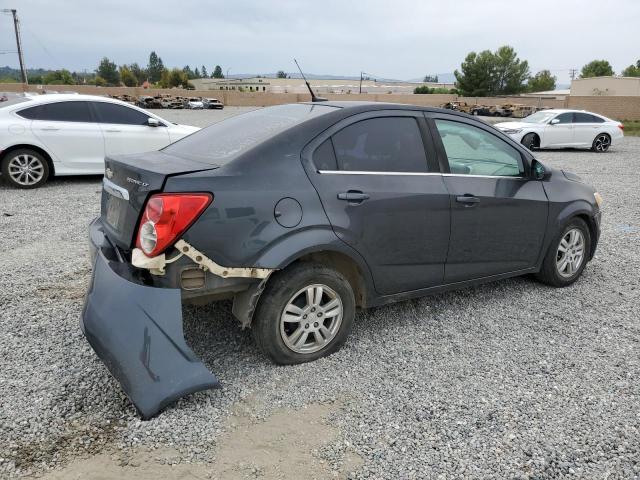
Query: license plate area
[114,210]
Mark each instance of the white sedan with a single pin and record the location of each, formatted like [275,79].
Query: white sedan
[46,135]
[564,129]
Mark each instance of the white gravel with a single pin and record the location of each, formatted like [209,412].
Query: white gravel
[508,380]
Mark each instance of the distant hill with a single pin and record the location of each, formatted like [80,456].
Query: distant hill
[9,73]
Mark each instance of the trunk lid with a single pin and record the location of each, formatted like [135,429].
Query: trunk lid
[129,180]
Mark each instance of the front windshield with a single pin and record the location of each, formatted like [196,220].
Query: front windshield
[539,117]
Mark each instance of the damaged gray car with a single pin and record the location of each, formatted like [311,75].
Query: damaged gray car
[303,213]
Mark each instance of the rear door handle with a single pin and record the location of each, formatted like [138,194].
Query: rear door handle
[50,129]
[113,130]
[468,200]
[353,196]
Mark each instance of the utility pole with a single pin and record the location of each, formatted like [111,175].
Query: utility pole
[361,73]
[572,73]
[16,27]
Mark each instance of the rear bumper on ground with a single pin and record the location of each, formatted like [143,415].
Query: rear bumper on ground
[136,330]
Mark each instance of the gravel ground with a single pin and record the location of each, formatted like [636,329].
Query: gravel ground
[508,380]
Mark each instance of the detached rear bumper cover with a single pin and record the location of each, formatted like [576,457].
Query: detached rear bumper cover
[136,331]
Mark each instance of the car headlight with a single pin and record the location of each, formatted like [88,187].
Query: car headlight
[512,131]
[598,198]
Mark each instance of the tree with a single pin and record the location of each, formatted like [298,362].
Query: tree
[497,73]
[431,78]
[155,67]
[217,72]
[511,73]
[138,72]
[281,74]
[203,72]
[632,70]
[108,71]
[174,78]
[196,73]
[542,81]
[597,68]
[423,89]
[127,76]
[476,78]
[58,77]
[190,73]
[98,81]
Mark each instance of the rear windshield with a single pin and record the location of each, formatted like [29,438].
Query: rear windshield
[221,142]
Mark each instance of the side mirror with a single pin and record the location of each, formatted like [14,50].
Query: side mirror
[539,171]
[554,121]
[153,122]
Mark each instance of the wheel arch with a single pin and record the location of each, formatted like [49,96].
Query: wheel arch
[593,231]
[36,148]
[345,265]
[583,211]
[535,134]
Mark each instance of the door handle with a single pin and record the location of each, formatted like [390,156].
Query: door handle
[113,130]
[50,129]
[468,200]
[353,196]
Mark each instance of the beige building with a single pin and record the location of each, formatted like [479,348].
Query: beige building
[320,86]
[613,86]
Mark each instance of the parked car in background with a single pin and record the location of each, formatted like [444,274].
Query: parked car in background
[301,214]
[175,103]
[481,110]
[46,135]
[194,103]
[212,103]
[558,128]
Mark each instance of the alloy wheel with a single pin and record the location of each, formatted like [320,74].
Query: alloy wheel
[25,169]
[570,254]
[602,143]
[311,319]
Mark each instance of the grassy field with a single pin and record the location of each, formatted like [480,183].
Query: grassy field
[632,127]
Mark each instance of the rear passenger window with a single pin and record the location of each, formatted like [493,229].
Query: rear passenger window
[324,157]
[119,114]
[59,112]
[580,117]
[385,144]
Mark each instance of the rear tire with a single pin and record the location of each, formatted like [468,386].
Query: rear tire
[292,326]
[25,168]
[567,255]
[601,143]
[531,141]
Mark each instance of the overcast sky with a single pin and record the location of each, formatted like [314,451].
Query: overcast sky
[401,39]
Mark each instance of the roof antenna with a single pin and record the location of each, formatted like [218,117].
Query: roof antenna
[313,95]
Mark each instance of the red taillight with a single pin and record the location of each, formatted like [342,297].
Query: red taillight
[621,127]
[167,216]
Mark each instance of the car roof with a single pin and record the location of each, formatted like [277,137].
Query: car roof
[568,110]
[364,106]
[57,97]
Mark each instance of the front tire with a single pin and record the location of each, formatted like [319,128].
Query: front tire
[601,143]
[531,141]
[567,255]
[25,168]
[306,312]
